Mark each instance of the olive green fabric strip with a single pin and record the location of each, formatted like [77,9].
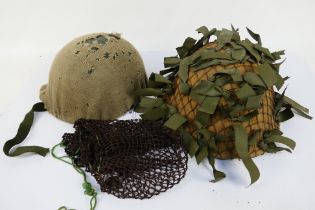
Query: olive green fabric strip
[150,103]
[295,105]
[148,92]
[175,121]
[224,37]
[253,79]
[190,144]
[268,74]
[154,114]
[171,61]
[252,169]
[254,138]
[252,51]
[22,133]
[254,36]
[241,140]
[264,50]
[201,154]
[161,79]
[283,140]
[209,105]
[285,115]
[245,91]
[248,116]
[254,102]
[218,175]
[241,146]
[204,30]
[184,88]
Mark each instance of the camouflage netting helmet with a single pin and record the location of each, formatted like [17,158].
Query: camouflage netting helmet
[220,95]
[93,77]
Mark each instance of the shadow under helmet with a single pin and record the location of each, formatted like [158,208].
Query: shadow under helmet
[93,77]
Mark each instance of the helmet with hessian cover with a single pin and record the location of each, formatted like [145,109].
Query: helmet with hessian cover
[93,77]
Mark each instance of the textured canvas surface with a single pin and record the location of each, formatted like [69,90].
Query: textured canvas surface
[93,77]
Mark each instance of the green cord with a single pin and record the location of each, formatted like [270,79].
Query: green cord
[88,189]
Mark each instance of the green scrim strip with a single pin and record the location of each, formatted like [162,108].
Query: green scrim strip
[252,169]
[159,78]
[203,118]
[218,175]
[183,70]
[254,138]
[277,55]
[187,46]
[204,30]
[248,116]
[150,102]
[234,73]
[236,109]
[268,74]
[190,144]
[184,88]
[171,61]
[198,98]
[203,87]
[154,114]
[148,92]
[245,91]
[249,47]
[202,153]
[224,37]
[254,102]
[209,105]
[175,121]
[254,36]
[295,104]
[276,67]
[285,115]
[253,79]
[166,71]
[303,114]
[279,102]
[206,134]
[280,82]
[241,140]
[264,50]
[238,54]
[212,54]
[241,146]
[189,43]
[22,133]
[283,140]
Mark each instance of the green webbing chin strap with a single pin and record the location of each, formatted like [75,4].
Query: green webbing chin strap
[22,133]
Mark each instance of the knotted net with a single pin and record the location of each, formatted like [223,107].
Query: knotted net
[129,159]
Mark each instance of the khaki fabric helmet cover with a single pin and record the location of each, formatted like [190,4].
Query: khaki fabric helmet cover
[93,77]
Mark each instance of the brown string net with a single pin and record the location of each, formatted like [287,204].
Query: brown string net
[128,158]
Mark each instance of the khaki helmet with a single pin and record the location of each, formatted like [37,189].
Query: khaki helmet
[93,77]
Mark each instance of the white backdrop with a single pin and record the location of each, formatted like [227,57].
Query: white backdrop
[32,31]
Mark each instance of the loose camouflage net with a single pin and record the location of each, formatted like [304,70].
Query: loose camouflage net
[129,159]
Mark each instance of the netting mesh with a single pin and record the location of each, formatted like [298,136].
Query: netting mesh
[129,159]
